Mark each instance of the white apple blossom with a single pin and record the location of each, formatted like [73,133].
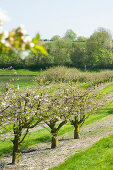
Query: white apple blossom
[3,103]
[65,108]
[3,41]
[7,44]
[26,38]
[5,34]
[23,31]
[3,16]
[11,39]
[24,54]
[36,97]
[31,44]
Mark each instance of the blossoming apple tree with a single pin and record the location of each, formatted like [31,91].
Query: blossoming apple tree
[23,112]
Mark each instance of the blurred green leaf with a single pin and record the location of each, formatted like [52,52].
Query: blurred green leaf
[41,49]
[36,39]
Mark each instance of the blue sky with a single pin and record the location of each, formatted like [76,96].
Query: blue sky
[54,17]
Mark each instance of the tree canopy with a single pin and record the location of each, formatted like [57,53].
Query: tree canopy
[99,39]
[55,37]
[70,34]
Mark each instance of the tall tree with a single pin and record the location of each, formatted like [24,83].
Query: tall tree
[55,38]
[70,34]
[97,46]
[81,38]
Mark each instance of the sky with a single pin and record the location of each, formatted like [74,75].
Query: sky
[55,17]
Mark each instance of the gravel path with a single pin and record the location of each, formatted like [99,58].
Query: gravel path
[42,157]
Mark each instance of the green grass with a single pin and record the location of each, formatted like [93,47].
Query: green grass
[20,71]
[98,157]
[5,147]
[43,135]
[100,113]
[23,81]
[85,85]
[107,89]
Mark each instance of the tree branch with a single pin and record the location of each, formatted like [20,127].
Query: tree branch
[24,136]
[38,121]
[61,124]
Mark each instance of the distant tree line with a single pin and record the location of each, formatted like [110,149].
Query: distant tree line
[95,52]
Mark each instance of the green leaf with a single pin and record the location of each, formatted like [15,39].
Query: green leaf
[41,49]
[34,50]
[36,39]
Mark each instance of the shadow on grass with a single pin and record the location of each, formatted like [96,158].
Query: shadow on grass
[110,111]
[67,139]
[106,110]
[35,150]
[5,151]
[29,142]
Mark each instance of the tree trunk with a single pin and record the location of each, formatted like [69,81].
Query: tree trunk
[76,132]
[16,156]
[54,142]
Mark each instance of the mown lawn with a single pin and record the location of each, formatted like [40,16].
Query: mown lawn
[20,72]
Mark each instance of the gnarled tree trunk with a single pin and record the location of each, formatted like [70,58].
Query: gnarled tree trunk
[54,131]
[76,132]
[76,125]
[16,156]
[54,142]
